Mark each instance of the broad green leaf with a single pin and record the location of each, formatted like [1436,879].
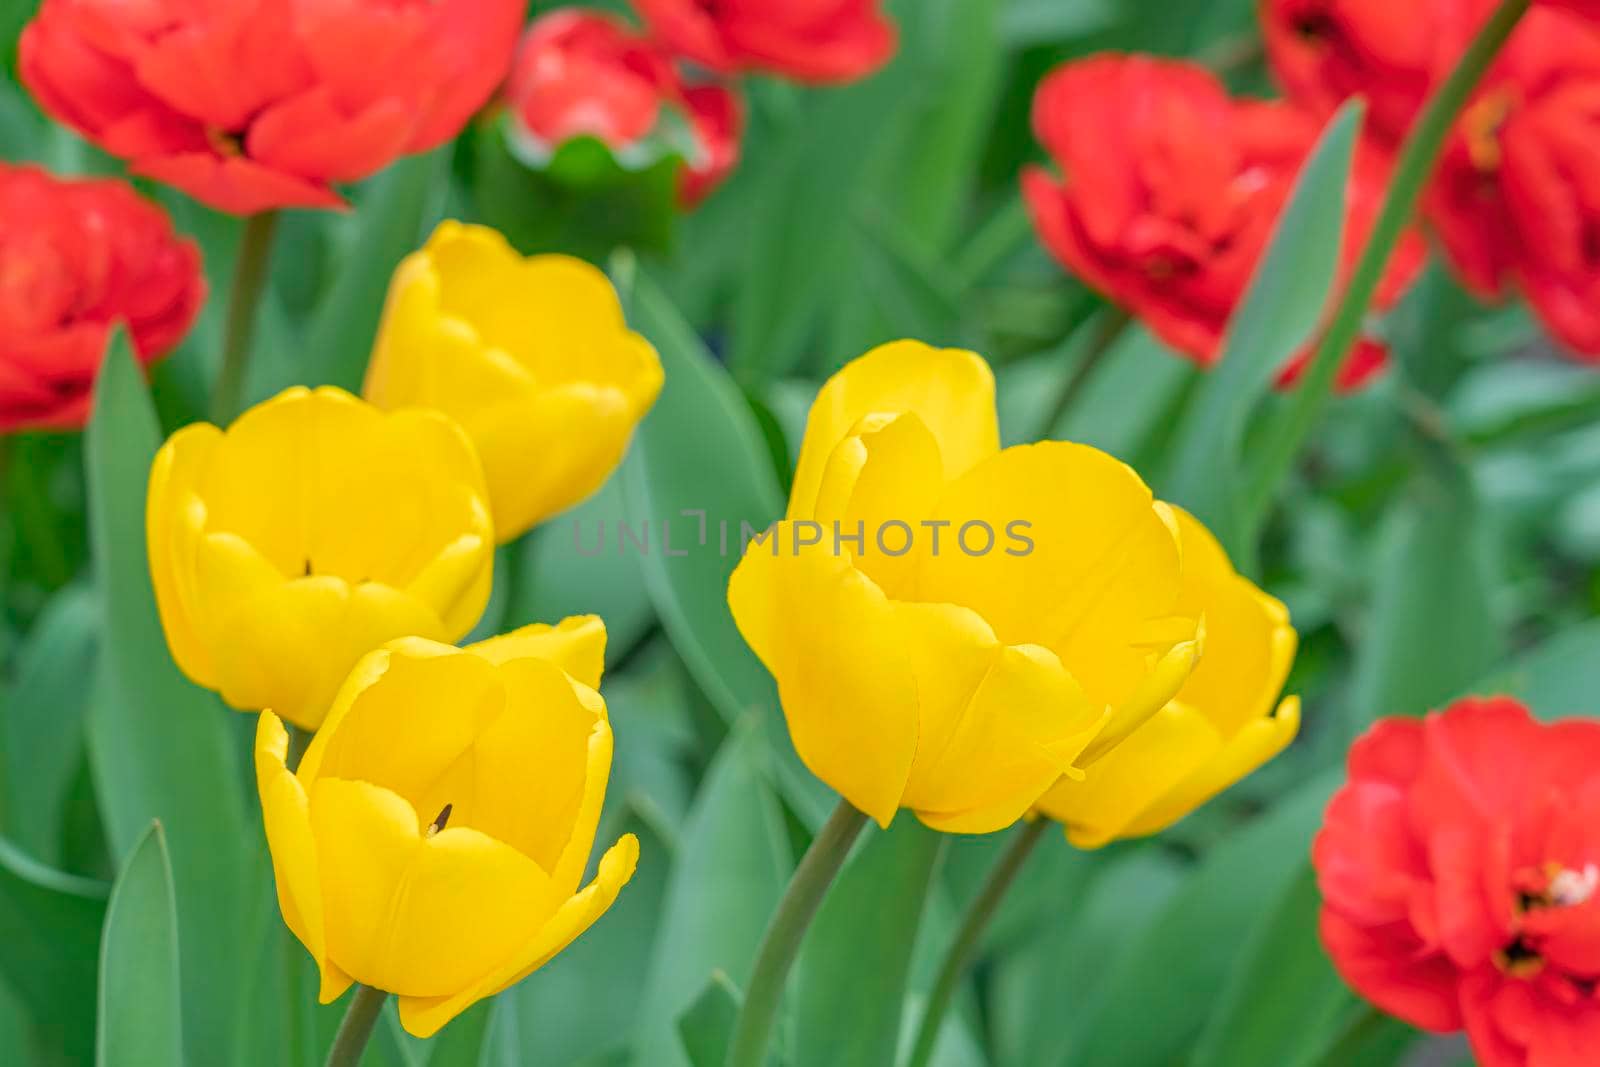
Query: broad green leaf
[1052,983]
[1156,997]
[695,479]
[141,1019]
[732,865]
[707,1027]
[1283,998]
[43,720]
[1558,679]
[397,209]
[50,927]
[464,1042]
[866,928]
[1433,625]
[1280,311]
[160,748]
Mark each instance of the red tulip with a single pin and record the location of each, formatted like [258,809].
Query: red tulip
[249,105]
[1325,51]
[808,40]
[77,257]
[579,73]
[1172,190]
[1517,198]
[1460,876]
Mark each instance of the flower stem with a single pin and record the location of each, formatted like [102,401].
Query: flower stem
[356,1029]
[249,280]
[1110,326]
[1412,172]
[979,914]
[817,870]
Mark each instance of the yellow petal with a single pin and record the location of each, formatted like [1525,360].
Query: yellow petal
[577,645]
[424,1016]
[175,517]
[1104,563]
[1246,751]
[950,390]
[417,915]
[285,812]
[455,585]
[410,726]
[1137,773]
[537,767]
[1249,642]
[888,472]
[999,724]
[828,636]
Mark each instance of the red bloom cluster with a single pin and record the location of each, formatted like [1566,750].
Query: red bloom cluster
[580,73]
[1516,202]
[1460,874]
[807,40]
[1171,191]
[77,257]
[255,104]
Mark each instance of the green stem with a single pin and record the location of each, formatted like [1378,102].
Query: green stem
[1412,172]
[1110,326]
[979,914]
[817,870]
[356,1029]
[249,281]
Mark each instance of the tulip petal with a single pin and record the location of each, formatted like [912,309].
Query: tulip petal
[998,725]
[1242,755]
[424,1016]
[829,637]
[411,914]
[577,645]
[1103,567]
[951,391]
[174,521]
[285,812]
[1174,744]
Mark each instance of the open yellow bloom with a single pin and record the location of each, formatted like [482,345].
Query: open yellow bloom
[309,533]
[961,670]
[531,356]
[432,842]
[1224,723]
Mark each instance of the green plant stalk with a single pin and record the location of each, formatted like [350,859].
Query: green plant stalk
[1415,167]
[979,914]
[354,1032]
[781,943]
[1112,324]
[244,298]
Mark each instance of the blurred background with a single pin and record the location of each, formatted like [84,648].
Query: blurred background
[1440,535]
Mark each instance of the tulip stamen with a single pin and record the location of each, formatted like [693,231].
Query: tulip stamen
[1519,960]
[441,821]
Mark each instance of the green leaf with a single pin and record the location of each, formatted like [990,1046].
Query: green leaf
[1156,997]
[732,865]
[695,479]
[1433,623]
[1557,679]
[397,209]
[706,1027]
[465,1041]
[141,1019]
[871,913]
[1282,307]
[1284,998]
[50,927]
[43,721]
[160,748]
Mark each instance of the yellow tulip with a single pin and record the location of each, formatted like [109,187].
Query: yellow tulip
[432,842]
[1224,723]
[309,533]
[955,681]
[531,356]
